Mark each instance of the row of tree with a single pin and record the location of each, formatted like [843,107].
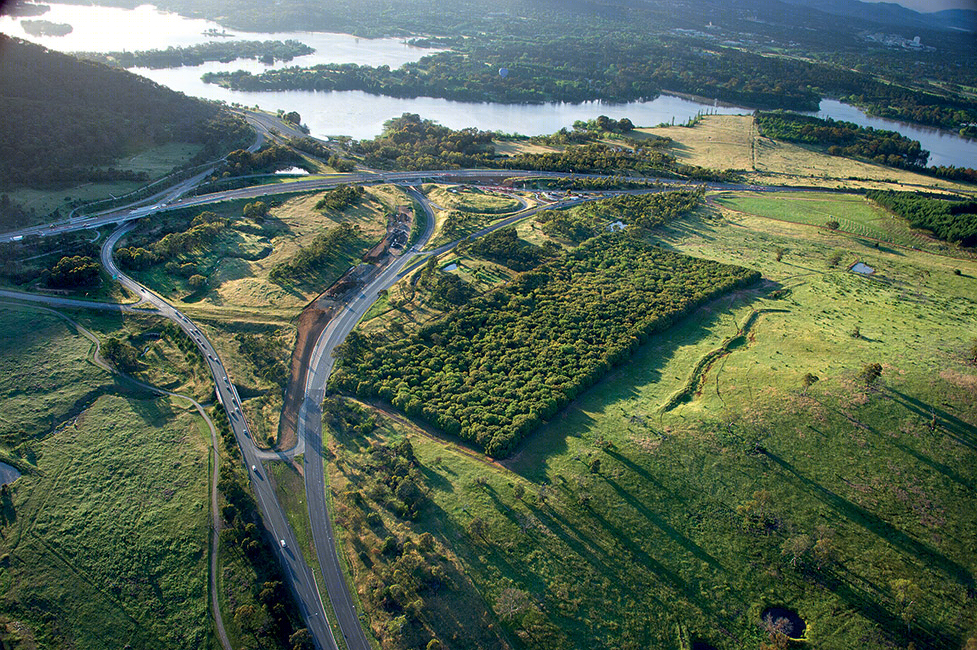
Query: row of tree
[953,221]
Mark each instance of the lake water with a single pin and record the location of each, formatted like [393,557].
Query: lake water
[8,473]
[945,148]
[362,115]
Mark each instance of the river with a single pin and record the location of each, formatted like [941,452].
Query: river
[362,115]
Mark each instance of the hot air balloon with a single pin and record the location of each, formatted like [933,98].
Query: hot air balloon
[503,72]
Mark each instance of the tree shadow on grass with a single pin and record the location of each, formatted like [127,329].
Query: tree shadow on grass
[922,633]
[622,385]
[878,526]
[960,430]
[664,526]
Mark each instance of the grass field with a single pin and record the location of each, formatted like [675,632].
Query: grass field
[156,162]
[104,538]
[732,142]
[848,503]
[453,198]
[107,542]
[855,215]
[44,376]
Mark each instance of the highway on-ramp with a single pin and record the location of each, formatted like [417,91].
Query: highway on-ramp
[297,571]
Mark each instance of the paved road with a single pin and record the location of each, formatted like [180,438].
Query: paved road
[310,429]
[296,570]
[131,213]
[72,303]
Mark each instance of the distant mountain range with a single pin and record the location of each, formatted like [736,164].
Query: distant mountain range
[889,14]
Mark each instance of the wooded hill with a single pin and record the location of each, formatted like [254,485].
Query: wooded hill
[64,120]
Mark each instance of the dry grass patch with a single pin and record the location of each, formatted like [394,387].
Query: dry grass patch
[718,141]
[508,148]
[732,142]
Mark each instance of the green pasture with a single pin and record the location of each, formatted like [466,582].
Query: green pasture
[107,542]
[855,215]
[852,504]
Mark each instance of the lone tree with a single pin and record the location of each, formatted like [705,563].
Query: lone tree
[870,373]
[809,380]
[832,225]
[292,118]
[972,352]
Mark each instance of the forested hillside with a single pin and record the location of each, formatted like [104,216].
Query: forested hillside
[63,120]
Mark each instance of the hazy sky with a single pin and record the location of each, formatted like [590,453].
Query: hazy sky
[932,5]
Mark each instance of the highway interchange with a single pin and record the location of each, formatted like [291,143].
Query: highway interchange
[297,571]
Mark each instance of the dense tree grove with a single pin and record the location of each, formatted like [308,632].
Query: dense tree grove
[844,138]
[408,142]
[192,55]
[340,198]
[268,159]
[505,247]
[63,120]
[493,370]
[122,354]
[75,271]
[954,221]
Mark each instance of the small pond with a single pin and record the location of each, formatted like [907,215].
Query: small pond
[785,620]
[8,473]
[864,269]
[451,267]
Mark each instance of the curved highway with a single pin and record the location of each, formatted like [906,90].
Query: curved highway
[296,570]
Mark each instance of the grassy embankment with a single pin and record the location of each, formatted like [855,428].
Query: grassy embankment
[459,212]
[105,537]
[156,162]
[240,299]
[847,502]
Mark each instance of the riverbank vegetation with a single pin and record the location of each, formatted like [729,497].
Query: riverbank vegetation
[175,57]
[846,139]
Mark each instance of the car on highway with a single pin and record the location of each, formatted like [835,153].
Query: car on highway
[283,543]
